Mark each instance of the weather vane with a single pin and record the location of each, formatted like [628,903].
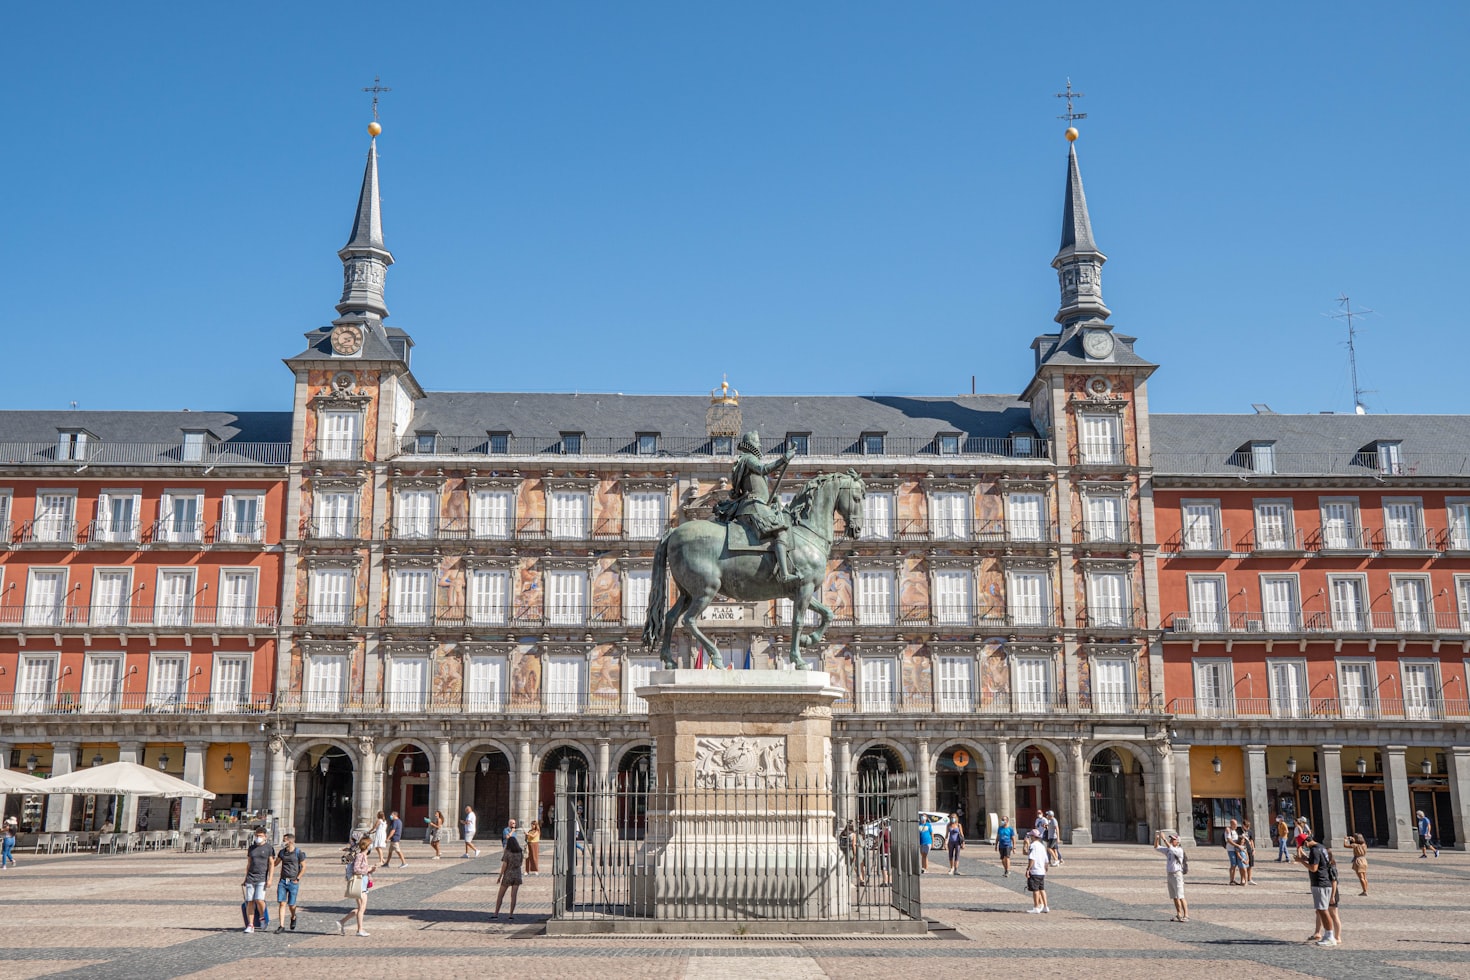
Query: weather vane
[378,88]
[1069,95]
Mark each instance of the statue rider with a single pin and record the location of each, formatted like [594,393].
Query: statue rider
[752,500]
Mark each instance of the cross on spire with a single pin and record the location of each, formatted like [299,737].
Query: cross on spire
[1069,95]
[378,88]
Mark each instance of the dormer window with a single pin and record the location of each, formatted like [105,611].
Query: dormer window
[1390,458]
[647,443]
[72,444]
[194,442]
[498,443]
[872,443]
[949,444]
[798,443]
[424,443]
[1263,458]
[571,443]
[723,445]
[400,347]
[1022,446]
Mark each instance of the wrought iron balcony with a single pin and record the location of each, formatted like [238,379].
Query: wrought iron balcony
[1346,538]
[46,532]
[1110,455]
[1279,540]
[522,529]
[1107,534]
[1298,621]
[816,446]
[1201,542]
[136,702]
[328,450]
[1330,708]
[1407,539]
[1109,619]
[164,618]
[337,529]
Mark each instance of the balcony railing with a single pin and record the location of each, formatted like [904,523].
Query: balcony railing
[96,453]
[135,702]
[113,617]
[602,615]
[883,615]
[1330,708]
[1300,621]
[1100,454]
[338,529]
[1104,533]
[1340,537]
[1108,619]
[523,529]
[1198,542]
[1406,539]
[1284,540]
[47,531]
[337,451]
[1356,464]
[817,446]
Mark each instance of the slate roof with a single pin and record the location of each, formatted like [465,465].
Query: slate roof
[1052,349]
[146,438]
[1429,445]
[614,416]
[375,346]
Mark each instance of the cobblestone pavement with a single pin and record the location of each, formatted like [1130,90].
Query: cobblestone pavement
[167,915]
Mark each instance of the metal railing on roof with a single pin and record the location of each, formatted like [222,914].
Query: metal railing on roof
[678,446]
[1365,464]
[98,453]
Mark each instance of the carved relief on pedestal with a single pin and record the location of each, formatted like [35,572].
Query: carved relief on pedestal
[739,761]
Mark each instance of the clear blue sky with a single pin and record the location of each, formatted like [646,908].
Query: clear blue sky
[584,196]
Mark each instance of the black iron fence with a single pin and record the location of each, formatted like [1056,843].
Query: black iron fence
[735,849]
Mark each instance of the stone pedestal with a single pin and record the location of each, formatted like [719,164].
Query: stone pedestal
[740,823]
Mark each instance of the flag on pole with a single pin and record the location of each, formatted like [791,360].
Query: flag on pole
[699,657]
[747,658]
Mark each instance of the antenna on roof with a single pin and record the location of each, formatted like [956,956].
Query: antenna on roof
[1348,313]
[73,404]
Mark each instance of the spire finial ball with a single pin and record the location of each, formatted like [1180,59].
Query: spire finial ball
[1071,134]
[374,129]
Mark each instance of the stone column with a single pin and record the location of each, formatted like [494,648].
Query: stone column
[368,783]
[1167,814]
[926,777]
[1457,761]
[255,788]
[1401,829]
[191,808]
[1334,812]
[446,782]
[1257,805]
[1081,794]
[524,804]
[842,782]
[275,800]
[58,808]
[1004,795]
[127,820]
[602,777]
[4,764]
[1183,795]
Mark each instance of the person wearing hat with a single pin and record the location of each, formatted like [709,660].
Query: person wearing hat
[1174,865]
[1036,860]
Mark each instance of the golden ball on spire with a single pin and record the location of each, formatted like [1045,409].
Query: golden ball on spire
[1071,134]
[374,129]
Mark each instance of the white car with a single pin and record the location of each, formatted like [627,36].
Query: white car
[937,823]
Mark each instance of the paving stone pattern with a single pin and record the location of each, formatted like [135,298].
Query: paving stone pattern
[167,915]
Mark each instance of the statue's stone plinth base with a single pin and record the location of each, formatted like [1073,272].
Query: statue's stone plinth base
[740,823]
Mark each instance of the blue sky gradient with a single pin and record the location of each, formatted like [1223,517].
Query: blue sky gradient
[852,197]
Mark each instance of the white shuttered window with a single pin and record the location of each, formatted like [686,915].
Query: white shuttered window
[489,596]
[874,597]
[956,684]
[566,596]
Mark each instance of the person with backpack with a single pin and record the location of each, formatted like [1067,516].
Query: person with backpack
[1176,866]
[1321,876]
[290,864]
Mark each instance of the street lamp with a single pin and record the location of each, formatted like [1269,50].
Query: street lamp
[32,762]
[163,762]
[408,762]
[1036,765]
[484,763]
[97,760]
[1425,766]
[1362,765]
[324,764]
[1117,767]
[1216,765]
[229,761]
[1291,764]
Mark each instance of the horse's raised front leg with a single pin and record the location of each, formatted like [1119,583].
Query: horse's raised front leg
[697,605]
[815,636]
[671,622]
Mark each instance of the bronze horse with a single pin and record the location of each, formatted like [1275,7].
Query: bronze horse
[703,567]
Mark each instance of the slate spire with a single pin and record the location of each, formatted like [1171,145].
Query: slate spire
[365,258]
[1078,262]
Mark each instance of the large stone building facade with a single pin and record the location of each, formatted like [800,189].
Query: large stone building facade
[463,581]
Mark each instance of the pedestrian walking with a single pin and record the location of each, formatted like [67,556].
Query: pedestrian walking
[1360,859]
[954,842]
[926,841]
[1175,866]
[1283,839]
[290,864]
[1036,861]
[508,831]
[510,876]
[257,875]
[848,845]
[1301,832]
[1231,841]
[467,831]
[533,848]
[1246,845]
[1313,856]
[7,847]
[395,840]
[1005,841]
[885,851]
[1054,838]
[436,833]
[1426,834]
[359,882]
[380,838]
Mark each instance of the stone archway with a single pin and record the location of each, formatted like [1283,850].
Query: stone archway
[484,779]
[960,784]
[325,784]
[407,775]
[1035,768]
[579,766]
[1117,801]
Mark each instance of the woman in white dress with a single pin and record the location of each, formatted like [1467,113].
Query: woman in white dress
[380,837]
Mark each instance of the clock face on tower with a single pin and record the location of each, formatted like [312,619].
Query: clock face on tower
[346,338]
[1097,343]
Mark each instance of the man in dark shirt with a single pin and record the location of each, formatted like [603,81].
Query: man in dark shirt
[257,874]
[1314,857]
[395,839]
[289,864]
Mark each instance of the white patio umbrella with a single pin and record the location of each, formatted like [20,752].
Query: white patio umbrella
[15,781]
[121,779]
